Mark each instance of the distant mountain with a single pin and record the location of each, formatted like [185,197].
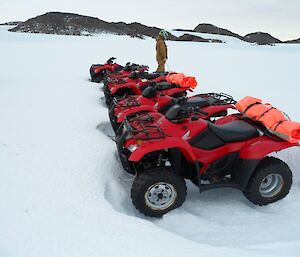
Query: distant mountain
[80,25]
[261,38]
[188,37]
[184,30]
[11,23]
[296,41]
[211,29]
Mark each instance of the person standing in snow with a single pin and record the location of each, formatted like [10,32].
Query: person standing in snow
[161,50]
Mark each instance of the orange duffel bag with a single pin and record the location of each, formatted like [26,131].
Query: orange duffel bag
[182,80]
[174,77]
[247,102]
[188,82]
[273,119]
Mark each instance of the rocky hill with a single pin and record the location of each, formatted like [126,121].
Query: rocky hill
[75,24]
[11,23]
[80,25]
[192,38]
[296,41]
[261,38]
[211,29]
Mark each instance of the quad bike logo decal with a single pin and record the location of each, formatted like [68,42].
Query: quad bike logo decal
[186,136]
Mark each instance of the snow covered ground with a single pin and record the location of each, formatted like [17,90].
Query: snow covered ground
[63,192]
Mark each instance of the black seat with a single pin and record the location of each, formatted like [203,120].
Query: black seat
[234,131]
[150,75]
[198,102]
[164,85]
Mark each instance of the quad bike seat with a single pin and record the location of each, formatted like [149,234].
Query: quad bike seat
[150,75]
[199,102]
[234,131]
[164,85]
[149,92]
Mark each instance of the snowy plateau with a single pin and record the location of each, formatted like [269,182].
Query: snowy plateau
[63,192]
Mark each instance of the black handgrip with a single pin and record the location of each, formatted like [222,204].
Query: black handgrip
[198,110]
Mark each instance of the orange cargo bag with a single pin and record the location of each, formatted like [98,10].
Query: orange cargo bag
[182,80]
[188,82]
[288,130]
[273,119]
[246,102]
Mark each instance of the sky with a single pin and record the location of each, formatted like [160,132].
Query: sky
[281,18]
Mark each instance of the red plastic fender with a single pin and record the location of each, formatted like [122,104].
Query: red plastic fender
[129,111]
[175,90]
[258,149]
[98,69]
[165,143]
[213,109]
[110,67]
[160,79]
[228,118]
[132,86]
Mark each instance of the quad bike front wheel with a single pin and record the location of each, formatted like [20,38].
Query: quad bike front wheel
[270,182]
[157,191]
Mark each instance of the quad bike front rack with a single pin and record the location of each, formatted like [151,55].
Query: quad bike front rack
[127,101]
[143,127]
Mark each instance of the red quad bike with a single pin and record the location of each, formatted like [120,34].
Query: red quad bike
[113,77]
[135,84]
[98,71]
[152,100]
[232,152]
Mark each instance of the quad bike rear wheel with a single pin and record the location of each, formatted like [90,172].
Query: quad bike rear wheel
[157,191]
[270,182]
[97,79]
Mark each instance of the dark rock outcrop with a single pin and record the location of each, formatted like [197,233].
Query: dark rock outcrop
[261,38]
[295,41]
[75,24]
[11,23]
[80,25]
[184,30]
[192,38]
[211,29]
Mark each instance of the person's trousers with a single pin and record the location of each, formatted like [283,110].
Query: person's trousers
[161,66]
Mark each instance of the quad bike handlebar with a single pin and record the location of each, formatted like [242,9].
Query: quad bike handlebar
[177,113]
[111,60]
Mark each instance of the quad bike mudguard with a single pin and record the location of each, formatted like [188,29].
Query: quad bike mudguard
[258,149]
[130,86]
[166,143]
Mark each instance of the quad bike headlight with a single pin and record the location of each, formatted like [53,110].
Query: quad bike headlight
[132,148]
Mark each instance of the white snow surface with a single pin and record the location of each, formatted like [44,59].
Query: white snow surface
[63,191]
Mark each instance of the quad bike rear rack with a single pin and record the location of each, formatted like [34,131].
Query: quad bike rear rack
[127,101]
[146,128]
[221,98]
[116,80]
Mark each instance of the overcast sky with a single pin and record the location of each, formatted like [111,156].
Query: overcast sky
[281,18]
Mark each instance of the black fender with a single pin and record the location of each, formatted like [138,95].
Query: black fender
[243,170]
